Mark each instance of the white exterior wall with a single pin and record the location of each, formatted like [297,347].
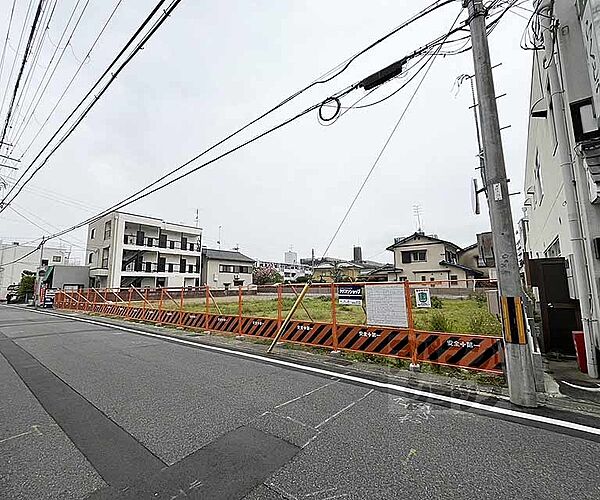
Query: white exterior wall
[10,274]
[127,224]
[216,278]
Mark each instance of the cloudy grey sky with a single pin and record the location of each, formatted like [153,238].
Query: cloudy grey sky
[213,66]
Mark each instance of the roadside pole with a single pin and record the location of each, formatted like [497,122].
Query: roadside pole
[37,290]
[544,10]
[519,365]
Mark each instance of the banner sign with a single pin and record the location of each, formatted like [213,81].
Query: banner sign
[423,297]
[350,295]
[386,305]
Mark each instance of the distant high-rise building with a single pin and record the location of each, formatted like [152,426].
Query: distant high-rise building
[290,257]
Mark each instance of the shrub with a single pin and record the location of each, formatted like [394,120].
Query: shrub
[483,322]
[266,276]
[436,303]
[439,322]
[480,298]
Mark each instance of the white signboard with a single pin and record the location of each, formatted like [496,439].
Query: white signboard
[386,305]
[423,297]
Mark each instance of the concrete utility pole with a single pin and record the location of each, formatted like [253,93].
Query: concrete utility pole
[519,365]
[544,10]
[38,282]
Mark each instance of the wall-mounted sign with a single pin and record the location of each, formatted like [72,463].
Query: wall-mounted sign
[386,305]
[423,297]
[350,295]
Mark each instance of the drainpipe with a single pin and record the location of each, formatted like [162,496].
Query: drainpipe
[545,8]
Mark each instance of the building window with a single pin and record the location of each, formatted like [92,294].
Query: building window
[432,279]
[90,257]
[105,258]
[226,268]
[419,256]
[190,268]
[453,279]
[93,233]
[191,247]
[170,268]
[107,229]
[423,278]
[406,257]
[44,262]
[553,249]
[56,258]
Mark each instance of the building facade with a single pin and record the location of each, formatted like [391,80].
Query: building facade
[564,142]
[426,258]
[15,258]
[132,250]
[290,269]
[226,268]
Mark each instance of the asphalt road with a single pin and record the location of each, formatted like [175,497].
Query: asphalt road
[89,411]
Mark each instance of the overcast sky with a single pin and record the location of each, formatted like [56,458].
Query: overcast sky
[213,66]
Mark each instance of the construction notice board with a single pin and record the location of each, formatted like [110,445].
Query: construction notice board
[386,305]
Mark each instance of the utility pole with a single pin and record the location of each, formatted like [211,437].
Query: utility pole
[544,10]
[38,282]
[519,365]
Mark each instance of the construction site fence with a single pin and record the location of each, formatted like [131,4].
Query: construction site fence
[327,322]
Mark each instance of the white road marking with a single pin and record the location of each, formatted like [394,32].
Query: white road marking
[306,394]
[352,378]
[34,430]
[589,389]
[329,419]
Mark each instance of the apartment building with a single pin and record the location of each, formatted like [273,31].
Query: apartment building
[125,250]
[290,269]
[561,219]
[16,258]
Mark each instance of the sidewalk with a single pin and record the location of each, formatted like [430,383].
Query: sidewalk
[565,381]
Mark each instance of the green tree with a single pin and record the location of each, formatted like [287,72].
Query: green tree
[26,285]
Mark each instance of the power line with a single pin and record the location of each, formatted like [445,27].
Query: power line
[10,19]
[15,59]
[386,143]
[145,38]
[83,62]
[23,63]
[344,66]
[23,257]
[21,129]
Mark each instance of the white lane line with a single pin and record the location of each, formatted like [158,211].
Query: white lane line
[329,419]
[589,389]
[306,394]
[352,378]
[34,430]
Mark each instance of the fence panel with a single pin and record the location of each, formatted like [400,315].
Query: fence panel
[324,318]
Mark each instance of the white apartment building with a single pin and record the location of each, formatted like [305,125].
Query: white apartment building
[133,250]
[568,38]
[290,269]
[15,258]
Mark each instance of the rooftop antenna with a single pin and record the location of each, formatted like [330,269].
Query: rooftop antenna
[196,219]
[417,213]
[219,240]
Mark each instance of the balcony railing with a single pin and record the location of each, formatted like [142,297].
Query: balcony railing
[152,242]
[153,267]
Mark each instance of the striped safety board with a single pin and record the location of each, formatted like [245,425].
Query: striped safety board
[513,320]
[477,352]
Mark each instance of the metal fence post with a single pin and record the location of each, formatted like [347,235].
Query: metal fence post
[129,303]
[412,336]
[206,307]
[87,297]
[334,318]
[160,303]
[279,305]
[180,319]
[240,308]
[145,303]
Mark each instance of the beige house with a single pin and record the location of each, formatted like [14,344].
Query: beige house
[426,258]
[469,257]
[225,268]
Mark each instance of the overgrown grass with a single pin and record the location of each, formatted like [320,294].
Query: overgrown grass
[455,315]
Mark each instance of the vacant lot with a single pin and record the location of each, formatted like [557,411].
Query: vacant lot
[455,315]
